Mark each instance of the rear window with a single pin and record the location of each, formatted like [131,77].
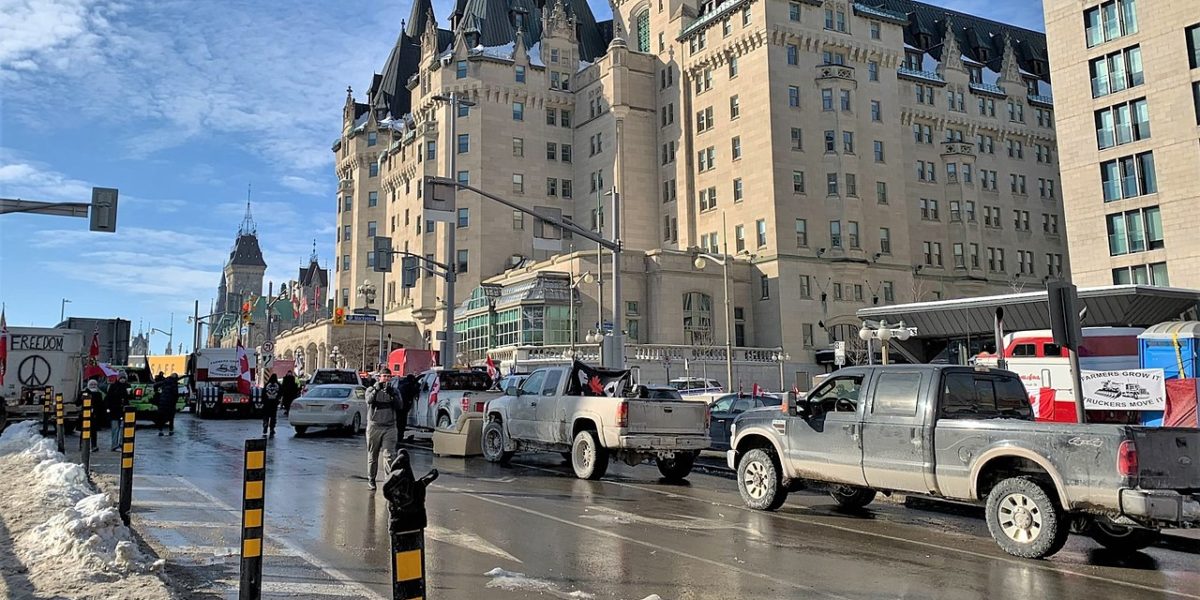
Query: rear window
[328,377]
[329,392]
[978,396]
[474,381]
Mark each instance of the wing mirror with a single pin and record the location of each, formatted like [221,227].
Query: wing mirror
[795,404]
[512,390]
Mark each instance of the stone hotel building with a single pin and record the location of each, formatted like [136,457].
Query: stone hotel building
[845,154]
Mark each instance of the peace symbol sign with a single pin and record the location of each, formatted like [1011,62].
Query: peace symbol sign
[34,371]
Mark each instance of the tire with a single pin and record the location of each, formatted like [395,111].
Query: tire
[300,429]
[443,421]
[678,467]
[355,424]
[492,440]
[1121,538]
[1025,519]
[759,481]
[852,497]
[589,459]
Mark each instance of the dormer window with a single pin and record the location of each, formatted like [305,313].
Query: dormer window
[518,19]
[912,60]
[923,40]
[1031,85]
[976,74]
[984,54]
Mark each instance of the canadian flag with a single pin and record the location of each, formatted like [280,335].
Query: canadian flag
[433,391]
[756,391]
[243,381]
[493,372]
[94,348]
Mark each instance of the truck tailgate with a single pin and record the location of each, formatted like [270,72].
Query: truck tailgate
[667,417]
[1168,458]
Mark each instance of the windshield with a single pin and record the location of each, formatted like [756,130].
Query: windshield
[327,377]
[328,392]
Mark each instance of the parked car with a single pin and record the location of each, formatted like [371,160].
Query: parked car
[511,380]
[968,434]
[554,410]
[334,376]
[696,385]
[336,406]
[725,409]
[458,391]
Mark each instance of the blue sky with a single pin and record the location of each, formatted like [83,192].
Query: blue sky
[183,104]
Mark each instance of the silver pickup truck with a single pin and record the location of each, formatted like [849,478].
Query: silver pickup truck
[968,434]
[588,415]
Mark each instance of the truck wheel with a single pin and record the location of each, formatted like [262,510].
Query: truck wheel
[759,482]
[443,421]
[1024,518]
[1121,537]
[588,458]
[849,496]
[677,467]
[300,429]
[493,443]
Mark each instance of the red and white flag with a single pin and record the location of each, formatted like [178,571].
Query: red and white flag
[303,303]
[756,391]
[94,347]
[433,391]
[3,346]
[244,379]
[493,372]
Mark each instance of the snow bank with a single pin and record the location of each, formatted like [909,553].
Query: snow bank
[69,537]
[508,580]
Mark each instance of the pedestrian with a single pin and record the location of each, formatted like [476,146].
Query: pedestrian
[93,392]
[383,408]
[166,396]
[289,390]
[410,390]
[271,394]
[114,402]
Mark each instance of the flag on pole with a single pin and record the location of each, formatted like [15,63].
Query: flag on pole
[433,391]
[756,391]
[295,302]
[243,382]
[94,347]
[303,303]
[3,346]
[493,372]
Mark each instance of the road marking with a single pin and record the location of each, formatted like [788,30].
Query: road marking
[337,574]
[470,541]
[225,551]
[307,589]
[631,540]
[166,524]
[169,503]
[155,488]
[1040,565]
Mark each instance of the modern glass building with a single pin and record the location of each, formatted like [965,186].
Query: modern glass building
[532,312]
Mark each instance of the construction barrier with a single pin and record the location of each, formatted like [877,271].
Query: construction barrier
[85,432]
[128,430]
[406,508]
[59,423]
[253,494]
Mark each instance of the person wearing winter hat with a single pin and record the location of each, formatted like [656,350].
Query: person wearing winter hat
[118,395]
[97,398]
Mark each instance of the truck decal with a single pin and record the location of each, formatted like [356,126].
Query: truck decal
[37,342]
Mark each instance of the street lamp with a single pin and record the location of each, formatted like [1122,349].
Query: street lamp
[62,311]
[335,356]
[585,277]
[367,291]
[723,260]
[884,333]
[781,356]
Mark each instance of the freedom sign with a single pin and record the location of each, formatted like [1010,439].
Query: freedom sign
[1131,389]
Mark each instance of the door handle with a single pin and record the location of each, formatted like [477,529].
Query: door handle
[851,429]
[533,403]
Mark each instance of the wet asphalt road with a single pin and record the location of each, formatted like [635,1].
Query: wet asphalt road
[628,536]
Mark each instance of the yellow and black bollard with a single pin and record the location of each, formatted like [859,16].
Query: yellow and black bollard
[47,409]
[60,423]
[85,435]
[128,428]
[406,505]
[253,490]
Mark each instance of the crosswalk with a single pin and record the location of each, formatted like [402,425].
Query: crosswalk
[199,535]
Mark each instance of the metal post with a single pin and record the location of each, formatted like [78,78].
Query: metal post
[1076,384]
[617,360]
[364,346]
[59,423]
[128,427]
[448,345]
[382,359]
[725,259]
[571,303]
[782,378]
[406,526]
[998,332]
[253,494]
[196,327]
[47,409]
[85,432]
[600,268]
[883,350]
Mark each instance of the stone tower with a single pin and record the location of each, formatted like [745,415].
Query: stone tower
[245,270]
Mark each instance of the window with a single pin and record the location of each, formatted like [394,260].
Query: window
[833,58]
[878,151]
[347,202]
[739,238]
[830,141]
[669,190]
[345,233]
[745,16]
[794,11]
[801,233]
[852,234]
[736,147]
[960,261]
[793,54]
[848,142]
[851,184]
[872,70]
[1110,21]
[831,184]
[798,134]
[1151,274]
[794,96]
[885,240]
[1196,99]
[1122,124]
[881,195]
[933,253]
[1116,71]
[643,31]
[826,99]
[564,118]
[805,286]
[518,111]
[518,183]
[1193,45]
[980,396]
[462,263]
[430,150]
[929,210]
[922,134]
[845,97]
[764,286]
[697,318]
[735,109]
[876,111]
[835,234]
[706,159]
[738,192]
[373,169]
[1128,176]
[1135,231]
[372,138]
[518,220]
[704,120]
[760,227]
[372,199]
[551,186]
[798,182]
[372,228]
[518,145]
[565,154]
[875,30]
[896,394]
[837,291]
[733,67]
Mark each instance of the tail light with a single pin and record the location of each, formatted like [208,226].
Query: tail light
[137,393]
[466,402]
[344,406]
[623,414]
[1127,459]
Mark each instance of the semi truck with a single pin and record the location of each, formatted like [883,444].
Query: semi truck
[41,359]
[114,337]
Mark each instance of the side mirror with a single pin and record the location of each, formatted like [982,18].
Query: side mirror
[512,390]
[795,405]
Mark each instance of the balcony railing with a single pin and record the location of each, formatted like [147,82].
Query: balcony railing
[835,72]
[989,89]
[919,74]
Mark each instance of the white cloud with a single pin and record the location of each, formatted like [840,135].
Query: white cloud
[304,185]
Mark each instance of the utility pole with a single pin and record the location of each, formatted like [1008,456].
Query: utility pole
[449,347]
[62,311]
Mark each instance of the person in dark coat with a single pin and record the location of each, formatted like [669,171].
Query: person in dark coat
[166,395]
[114,403]
[289,390]
[410,391]
[97,397]
[271,394]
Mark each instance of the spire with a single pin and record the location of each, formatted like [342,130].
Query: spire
[951,55]
[248,226]
[312,258]
[1010,71]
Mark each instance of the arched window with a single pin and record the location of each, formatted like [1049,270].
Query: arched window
[643,31]
[697,319]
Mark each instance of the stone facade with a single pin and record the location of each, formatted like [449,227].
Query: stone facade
[1136,229]
[715,138]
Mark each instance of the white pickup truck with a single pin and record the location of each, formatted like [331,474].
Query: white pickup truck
[589,415]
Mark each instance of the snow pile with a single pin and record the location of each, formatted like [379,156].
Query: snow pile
[508,580]
[67,536]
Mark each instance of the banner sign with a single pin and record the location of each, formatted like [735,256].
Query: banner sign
[1132,389]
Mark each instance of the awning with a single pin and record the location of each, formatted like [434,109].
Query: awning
[1115,306]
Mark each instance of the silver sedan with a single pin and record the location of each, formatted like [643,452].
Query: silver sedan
[340,406]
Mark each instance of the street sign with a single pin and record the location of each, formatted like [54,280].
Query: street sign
[268,347]
[1064,314]
[839,353]
[358,318]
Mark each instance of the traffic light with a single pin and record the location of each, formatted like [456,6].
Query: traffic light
[339,316]
[103,212]
[408,271]
[245,312]
[383,254]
